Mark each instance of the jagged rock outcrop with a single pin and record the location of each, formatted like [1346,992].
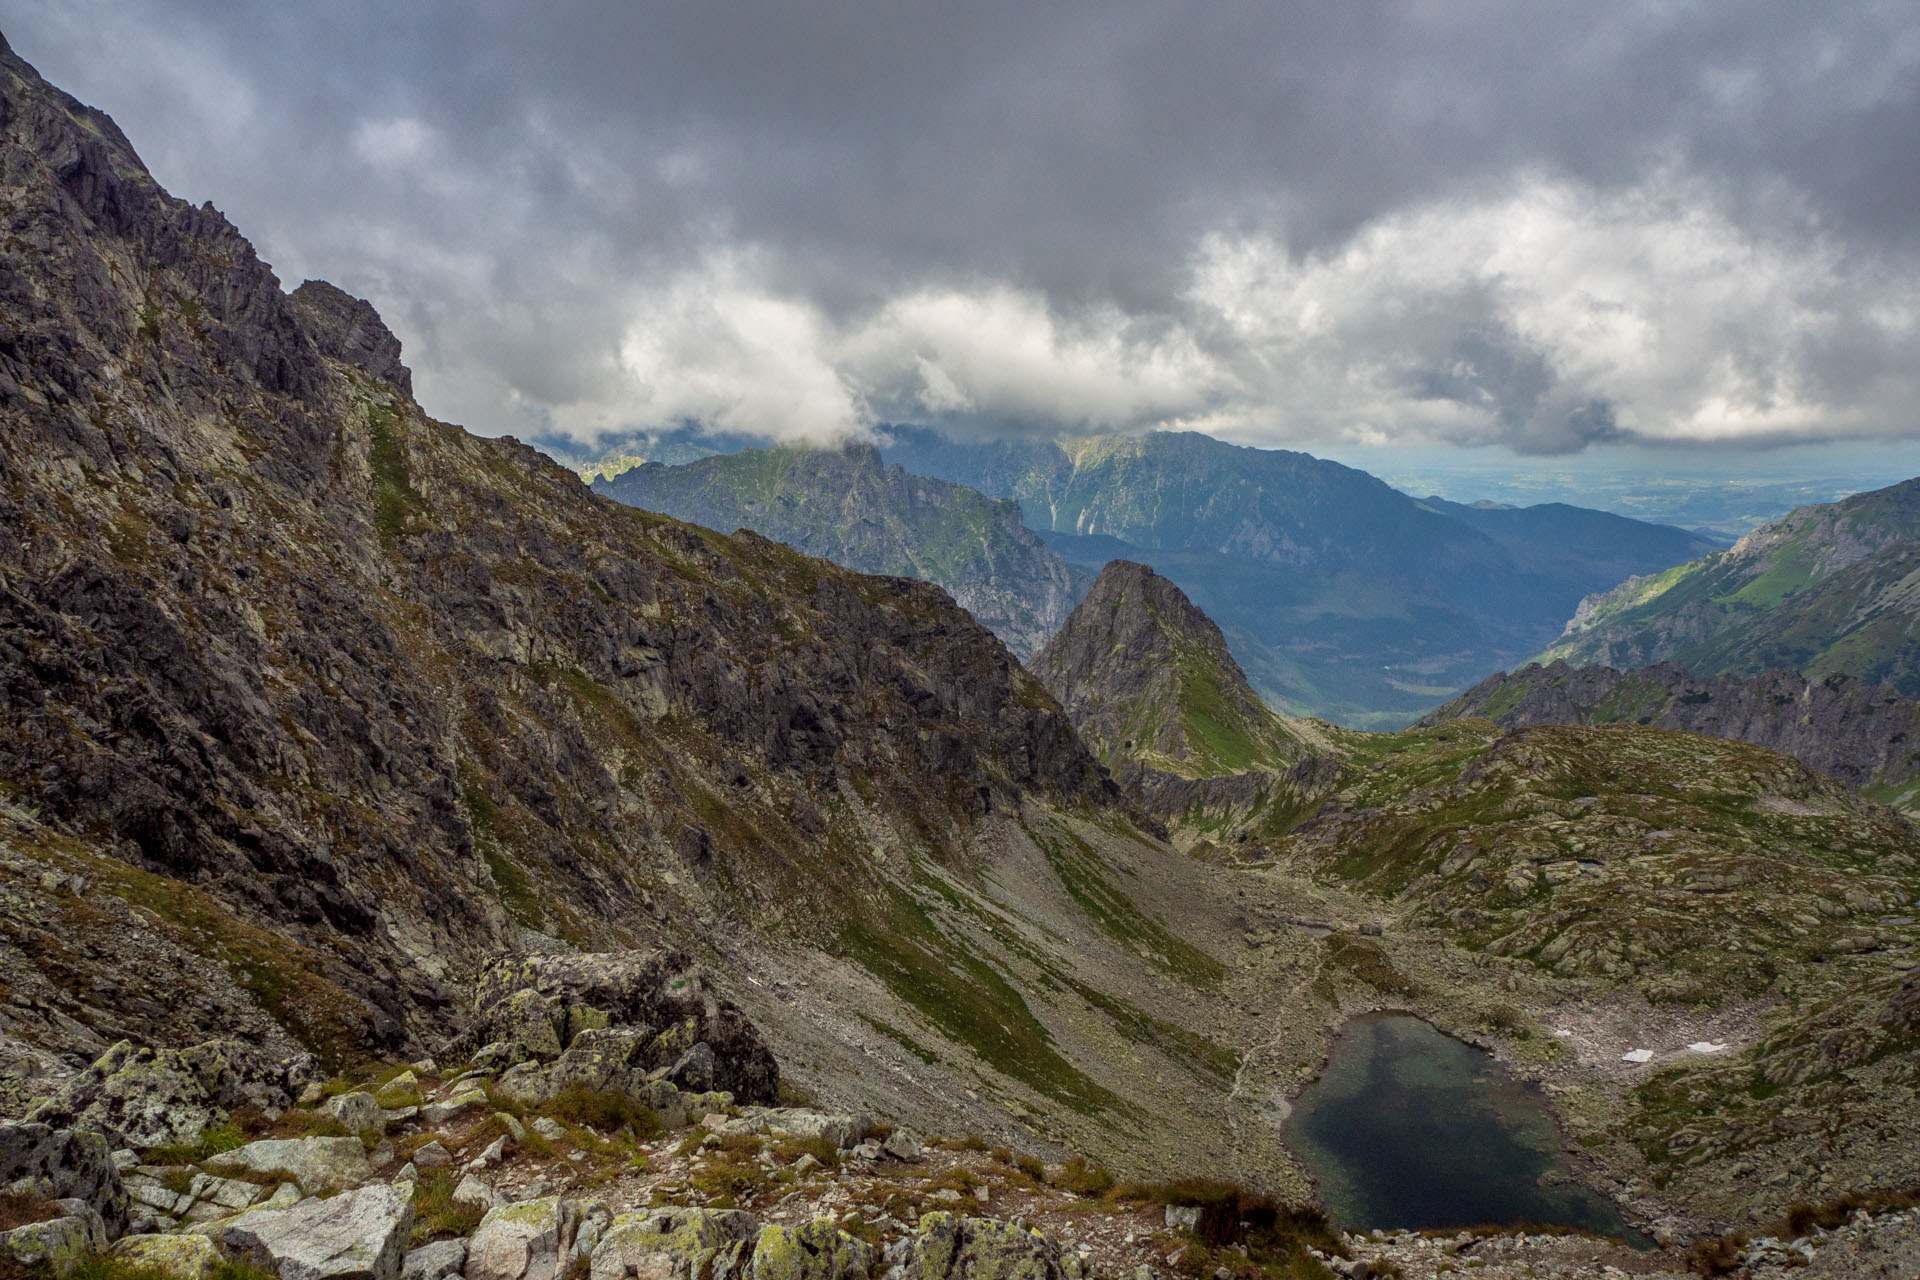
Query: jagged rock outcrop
[618,1022]
[1147,679]
[845,505]
[348,329]
[327,688]
[59,1164]
[1848,729]
[142,1096]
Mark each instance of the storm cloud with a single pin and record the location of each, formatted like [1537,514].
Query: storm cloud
[1543,226]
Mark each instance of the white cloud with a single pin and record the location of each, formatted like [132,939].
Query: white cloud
[393,144]
[715,348]
[1546,318]
[1552,316]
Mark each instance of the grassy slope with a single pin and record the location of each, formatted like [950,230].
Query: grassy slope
[1832,589]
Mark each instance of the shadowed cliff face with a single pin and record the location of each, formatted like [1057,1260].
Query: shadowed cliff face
[395,691]
[1865,735]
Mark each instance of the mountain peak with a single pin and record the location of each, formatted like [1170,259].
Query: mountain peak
[348,329]
[1146,676]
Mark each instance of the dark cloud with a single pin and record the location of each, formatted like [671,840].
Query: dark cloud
[1266,220]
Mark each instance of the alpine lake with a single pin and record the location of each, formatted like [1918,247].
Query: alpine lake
[1409,1128]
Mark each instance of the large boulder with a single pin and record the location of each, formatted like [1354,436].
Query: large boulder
[842,1130]
[178,1257]
[602,1058]
[357,1110]
[57,1164]
[816,1251]
[675,1244]
[530,1240]
[144,1097]
[436,1261]
[952,1248]
[59,1244]
[357,1235]
[319,1165]
[538,1005]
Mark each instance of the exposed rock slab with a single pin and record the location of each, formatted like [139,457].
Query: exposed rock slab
[357,1235]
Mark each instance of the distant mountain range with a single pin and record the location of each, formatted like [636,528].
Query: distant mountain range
[1829,589]
[846,506]
[1340,596]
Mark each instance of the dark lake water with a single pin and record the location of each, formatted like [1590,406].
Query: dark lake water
[1411,1128]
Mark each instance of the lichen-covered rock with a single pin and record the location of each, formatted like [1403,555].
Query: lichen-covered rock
[531,1022]
[525,1241]
[675,1244]
[319,1165]
[816,1251]
[696,1070]
[475,1193]
[601,1058]
[142,1097]
[434,1261]
[57,1164]
[435,1114]
[357,1110]
[952,1248]
[521,1000]
[842,1130]
[527,1083]
[58,1244]
[357,1235]
[179,1257]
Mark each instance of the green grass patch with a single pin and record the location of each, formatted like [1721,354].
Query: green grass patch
[394,499]
[969,1002]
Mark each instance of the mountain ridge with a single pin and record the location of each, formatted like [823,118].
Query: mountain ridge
[844,505]
[1147,678]
[1864,735]
[1827,590]
[1341,597]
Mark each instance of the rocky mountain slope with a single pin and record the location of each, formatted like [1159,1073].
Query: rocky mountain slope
[311,707]
[1865,735]
[1340,596]
[1147,679]
[1828,590]
[844,505]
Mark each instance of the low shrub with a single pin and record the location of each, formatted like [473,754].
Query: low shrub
[1082,1178]
[211,1142]
[18,1209]
[435,1215]
[605,1111]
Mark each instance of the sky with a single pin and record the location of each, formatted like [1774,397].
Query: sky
[1505,228]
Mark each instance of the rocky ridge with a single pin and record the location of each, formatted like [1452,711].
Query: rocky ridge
[1861,734]
[1827,590]
[1147,680]
[845,505]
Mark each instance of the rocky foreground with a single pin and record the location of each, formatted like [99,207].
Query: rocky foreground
[584,1133]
